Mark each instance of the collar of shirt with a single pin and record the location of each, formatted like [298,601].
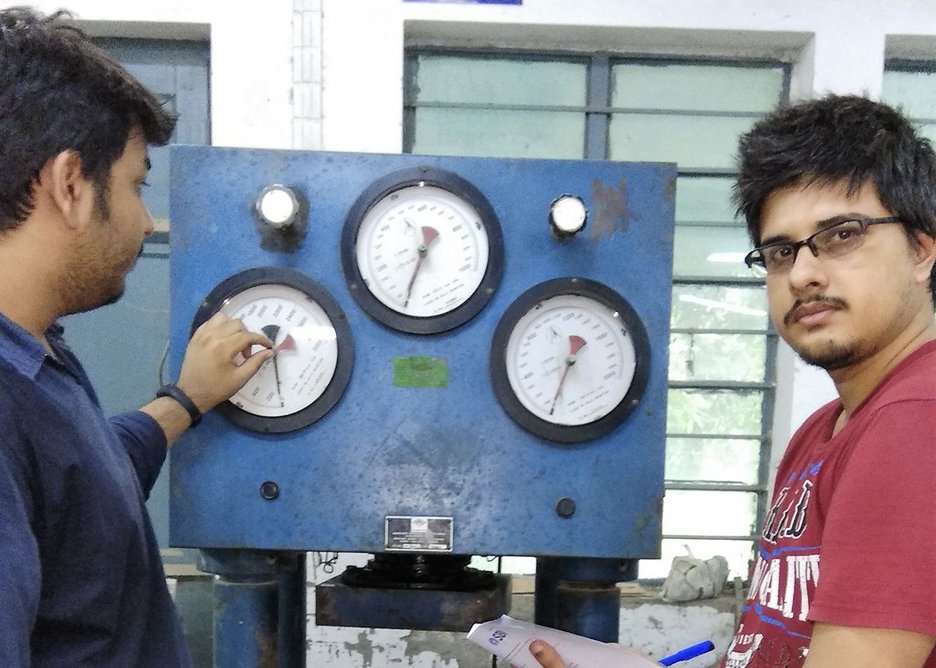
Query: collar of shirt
[21,350]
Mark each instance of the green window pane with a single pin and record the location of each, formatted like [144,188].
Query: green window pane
[696,87]
[914,92]
[698,411]
[739,554]
[730,357]
[709,513]
[705,199]
[719,307]
[711,251]
[499,133]
[500,81]
[708,142]
[728,460]
[928,130]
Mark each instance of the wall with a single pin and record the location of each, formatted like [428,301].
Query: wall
[327,74]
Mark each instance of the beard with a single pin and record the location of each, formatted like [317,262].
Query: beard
[830,356]
[96,273]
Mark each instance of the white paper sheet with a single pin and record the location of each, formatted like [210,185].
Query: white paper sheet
[510,639]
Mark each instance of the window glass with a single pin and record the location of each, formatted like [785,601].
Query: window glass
[500,81]
[914,91]
[711,250]
[719,307]
[691,141]
[728,460]
[704,199]
[722,356]
[499,133]
[706,411]
[725,513]
[702,87]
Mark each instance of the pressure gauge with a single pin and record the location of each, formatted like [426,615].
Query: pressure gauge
[569,360]
[312,348]
[422,250]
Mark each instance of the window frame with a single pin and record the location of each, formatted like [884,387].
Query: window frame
[596,145]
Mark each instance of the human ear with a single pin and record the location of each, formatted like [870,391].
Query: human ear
[69,190]
[924,256]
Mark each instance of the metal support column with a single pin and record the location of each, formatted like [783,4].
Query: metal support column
[580,595]
[259,608]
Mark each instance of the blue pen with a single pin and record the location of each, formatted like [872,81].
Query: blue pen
[688,653]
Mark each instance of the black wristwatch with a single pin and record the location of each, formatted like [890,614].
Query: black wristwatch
[183,399]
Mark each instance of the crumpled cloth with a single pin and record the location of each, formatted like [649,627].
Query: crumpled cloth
[690,579]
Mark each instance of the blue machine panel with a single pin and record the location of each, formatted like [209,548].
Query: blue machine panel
[440,449]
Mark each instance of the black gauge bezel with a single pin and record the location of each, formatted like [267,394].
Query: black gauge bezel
[459,187]
[539,293]
[314,292]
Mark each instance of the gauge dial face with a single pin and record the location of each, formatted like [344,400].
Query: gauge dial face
[305,349]
[573,355]
[423,251]
[313,351]
[570,360]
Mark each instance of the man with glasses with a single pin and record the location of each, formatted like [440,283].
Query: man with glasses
[839,195]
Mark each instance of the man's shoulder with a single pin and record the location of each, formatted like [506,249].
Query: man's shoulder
[914,379]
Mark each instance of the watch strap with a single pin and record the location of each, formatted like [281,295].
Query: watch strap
[183,400]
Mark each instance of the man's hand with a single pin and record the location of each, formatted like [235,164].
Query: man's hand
[546,655]
[209,373]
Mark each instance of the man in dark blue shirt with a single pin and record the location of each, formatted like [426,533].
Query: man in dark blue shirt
[81,582]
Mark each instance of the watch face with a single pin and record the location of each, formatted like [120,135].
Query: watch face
[569,360]
[312,356]
[422,250]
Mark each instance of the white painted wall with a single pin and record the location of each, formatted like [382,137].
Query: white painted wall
[326,74]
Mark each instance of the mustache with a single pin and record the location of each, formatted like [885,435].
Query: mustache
[836,303]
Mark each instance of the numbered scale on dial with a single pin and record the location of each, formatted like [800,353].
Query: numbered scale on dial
[422,250]
[569,360]
[312,346]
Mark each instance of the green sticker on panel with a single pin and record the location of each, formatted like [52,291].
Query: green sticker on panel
[420,371]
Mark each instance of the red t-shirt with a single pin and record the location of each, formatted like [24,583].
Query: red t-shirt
[862,504]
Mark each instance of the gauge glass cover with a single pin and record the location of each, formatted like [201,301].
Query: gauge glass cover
[570,360]
[422,250]
[305,345]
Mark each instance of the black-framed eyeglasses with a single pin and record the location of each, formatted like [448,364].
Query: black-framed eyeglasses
[836,240]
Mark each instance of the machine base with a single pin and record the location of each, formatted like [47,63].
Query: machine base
[340,604]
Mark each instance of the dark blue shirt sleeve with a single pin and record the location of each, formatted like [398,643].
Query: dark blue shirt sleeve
[145,443]
[20,577]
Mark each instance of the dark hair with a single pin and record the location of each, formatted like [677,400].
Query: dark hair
[59,92]
[840,139]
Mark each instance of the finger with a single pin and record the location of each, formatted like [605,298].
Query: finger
[252,364]
[220,325]
[546,655]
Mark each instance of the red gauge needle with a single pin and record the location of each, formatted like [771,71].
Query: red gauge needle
[575,345]
[430,234]
[288,343]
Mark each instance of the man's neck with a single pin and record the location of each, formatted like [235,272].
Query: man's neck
[856,382]
[28,294]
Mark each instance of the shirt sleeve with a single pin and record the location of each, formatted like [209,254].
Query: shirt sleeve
[878,560]
[145,443]
[20,575]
